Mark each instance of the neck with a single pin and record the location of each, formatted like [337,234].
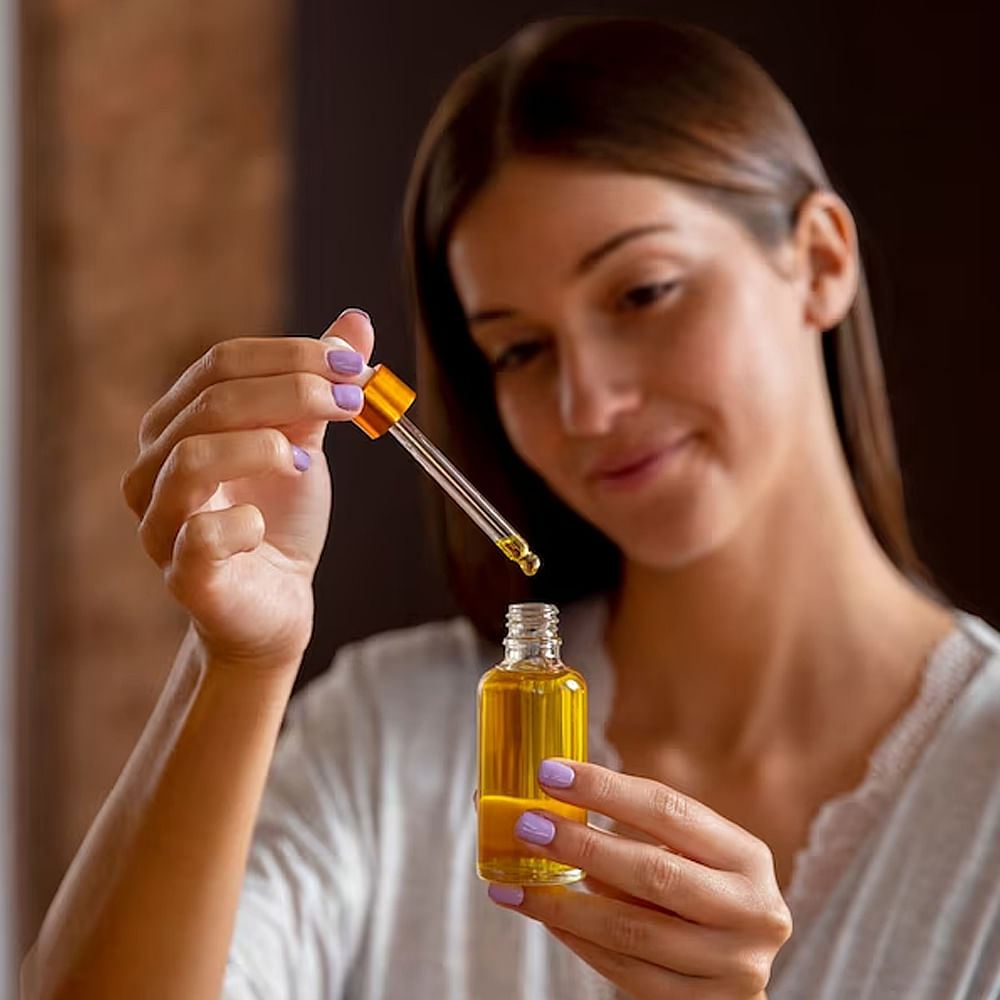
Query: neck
[774,635]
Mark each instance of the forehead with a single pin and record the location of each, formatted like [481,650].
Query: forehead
[537,218]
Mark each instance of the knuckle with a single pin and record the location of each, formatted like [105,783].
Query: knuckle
[666,802]
[587,847]
[657,872]
[302,353]
[219,361]
[752,972]
[760,855]
[202,533]
[778,923]
[189,456]
[304,390]
[145,533]
[131,490]
[605,785]
[210,404]
[273,445]
[149,426]
[151,541]
[624,934]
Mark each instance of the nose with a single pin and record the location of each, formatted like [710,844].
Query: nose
[597,386]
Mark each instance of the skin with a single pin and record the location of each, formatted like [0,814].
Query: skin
[755,722]
[148,906]
[663,373]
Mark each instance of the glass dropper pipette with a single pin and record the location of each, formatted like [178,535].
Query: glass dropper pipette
[387,398]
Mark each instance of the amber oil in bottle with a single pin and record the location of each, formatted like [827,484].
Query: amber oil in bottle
[531,706]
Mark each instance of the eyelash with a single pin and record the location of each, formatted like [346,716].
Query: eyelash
[650,295]
[638,298]
[505,361]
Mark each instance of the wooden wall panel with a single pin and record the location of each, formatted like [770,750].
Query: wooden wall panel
[155,149]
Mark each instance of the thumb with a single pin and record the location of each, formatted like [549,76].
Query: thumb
[354,326]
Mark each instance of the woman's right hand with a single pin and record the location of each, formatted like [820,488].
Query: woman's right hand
[225,507]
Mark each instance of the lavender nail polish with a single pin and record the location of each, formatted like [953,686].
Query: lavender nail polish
[509,895]
[535,829]
[348,397]
[555,774]
[300,458]
[345,362]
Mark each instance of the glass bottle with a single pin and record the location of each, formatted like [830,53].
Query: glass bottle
[531,706]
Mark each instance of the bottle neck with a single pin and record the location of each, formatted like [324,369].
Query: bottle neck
[517,650]
[532,633]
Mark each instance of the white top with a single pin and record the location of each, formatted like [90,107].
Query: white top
[361,883]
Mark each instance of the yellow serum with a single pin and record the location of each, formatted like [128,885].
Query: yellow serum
[529,709]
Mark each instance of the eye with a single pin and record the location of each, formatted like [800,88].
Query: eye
[646,295]
[517,355]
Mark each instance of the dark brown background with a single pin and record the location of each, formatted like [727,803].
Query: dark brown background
[900,103]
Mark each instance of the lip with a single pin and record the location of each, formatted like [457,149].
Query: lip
[633,468]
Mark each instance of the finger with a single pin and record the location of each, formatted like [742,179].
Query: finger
[243,404]
[646,871]
[246,357]
[206,543]
[636,977]
[640,932]
[354,326]
[195,469]
[681,823]
[599,888]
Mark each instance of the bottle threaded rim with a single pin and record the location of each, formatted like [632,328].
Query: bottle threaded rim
[532,620]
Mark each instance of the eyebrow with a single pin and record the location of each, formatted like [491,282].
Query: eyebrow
[586,263]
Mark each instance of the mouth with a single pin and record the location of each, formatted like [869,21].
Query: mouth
[637,467]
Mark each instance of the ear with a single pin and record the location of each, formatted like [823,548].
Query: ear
[827,247]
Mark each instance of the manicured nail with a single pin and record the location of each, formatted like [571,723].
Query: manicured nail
[300,458]
[345,362]
[555,775]
[534,829]
[509,895]
[348,397]
[354,309]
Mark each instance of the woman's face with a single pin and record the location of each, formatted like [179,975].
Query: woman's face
[651,362]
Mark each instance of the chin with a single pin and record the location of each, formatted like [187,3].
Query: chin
[672,540]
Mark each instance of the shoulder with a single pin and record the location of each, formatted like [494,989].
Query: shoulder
[963,759]
[982,644]
[981,633]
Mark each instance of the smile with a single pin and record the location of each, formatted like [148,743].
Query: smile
[635,470]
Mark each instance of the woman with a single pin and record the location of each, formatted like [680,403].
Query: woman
[640,300]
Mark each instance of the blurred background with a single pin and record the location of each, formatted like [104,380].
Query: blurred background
[193,172]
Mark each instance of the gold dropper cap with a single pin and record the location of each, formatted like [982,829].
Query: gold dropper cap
[387,398]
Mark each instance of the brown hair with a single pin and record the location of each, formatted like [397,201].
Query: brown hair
[644,97]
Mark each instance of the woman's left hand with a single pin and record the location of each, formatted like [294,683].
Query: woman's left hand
[696,914]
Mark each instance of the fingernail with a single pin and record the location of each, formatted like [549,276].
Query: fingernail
[555,775]
[345,362]
[354,309]
[509,895]
[534,829]
[348,397]
[300,458]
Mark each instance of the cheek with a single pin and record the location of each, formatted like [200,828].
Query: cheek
[529,422]
[744,360]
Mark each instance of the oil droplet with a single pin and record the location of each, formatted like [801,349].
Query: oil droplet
[529,564]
